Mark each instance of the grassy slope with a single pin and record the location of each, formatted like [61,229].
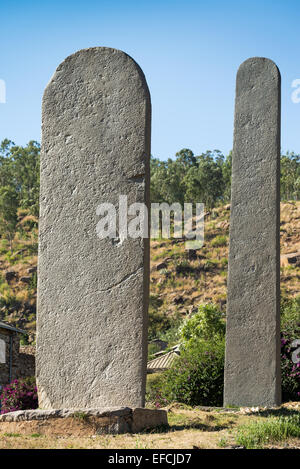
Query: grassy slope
[204,279]
[176,289]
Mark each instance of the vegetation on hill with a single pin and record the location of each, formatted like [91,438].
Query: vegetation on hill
[180,280]
[206,178]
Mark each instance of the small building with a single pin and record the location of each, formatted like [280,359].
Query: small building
[163,360]
[9,353]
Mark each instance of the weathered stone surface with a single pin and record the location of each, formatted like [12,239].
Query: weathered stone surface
[92,292]
[38,414]
[79,422]
[148,418]
[252,368]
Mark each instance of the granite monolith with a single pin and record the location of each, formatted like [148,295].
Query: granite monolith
[252,364]
[92,291]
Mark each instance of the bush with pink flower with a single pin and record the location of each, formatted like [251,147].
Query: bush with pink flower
[20,394]
[290,332]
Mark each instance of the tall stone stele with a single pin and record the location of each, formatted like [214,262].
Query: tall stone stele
[92,292]
[252,364]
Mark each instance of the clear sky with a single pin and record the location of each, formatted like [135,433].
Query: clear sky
[189,51]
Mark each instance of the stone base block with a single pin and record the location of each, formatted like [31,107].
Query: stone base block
[82,422]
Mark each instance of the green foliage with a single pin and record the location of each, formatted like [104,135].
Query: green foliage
[290,313]
[204,180]
[9,300]
[158,322]
[33,282]
[161,325]
[290,176]
[8,212]
[271,430]
[224,261]
[210,264]
[196,376]
[81,416]
[207,178]
[19,184]
[205,324]
[19,169]
[153,386]
[24,339]
[152,349]
[188,178]
[226,169]
[155,302]
[290,331]
[219,241]
[172,334]
[183,268]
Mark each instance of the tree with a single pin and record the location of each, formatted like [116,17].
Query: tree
[289,174]
[227,169]
[19,169]
[8,212]
[205,182]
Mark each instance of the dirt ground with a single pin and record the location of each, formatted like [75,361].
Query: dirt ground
[188,429]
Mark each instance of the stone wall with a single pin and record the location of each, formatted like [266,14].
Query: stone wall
[26,361]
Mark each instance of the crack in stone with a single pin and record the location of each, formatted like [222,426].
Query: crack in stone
[123,280]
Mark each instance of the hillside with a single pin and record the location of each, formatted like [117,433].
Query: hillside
[179,283]
[179,280]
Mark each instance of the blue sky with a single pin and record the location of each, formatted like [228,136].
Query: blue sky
[189,51]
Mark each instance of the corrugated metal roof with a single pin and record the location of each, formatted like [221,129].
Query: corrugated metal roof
[163,362]
[3,325]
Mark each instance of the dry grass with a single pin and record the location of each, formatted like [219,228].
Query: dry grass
[208,277]
[205,282]
[189,428]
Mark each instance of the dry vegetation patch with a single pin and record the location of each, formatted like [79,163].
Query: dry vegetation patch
[188,428]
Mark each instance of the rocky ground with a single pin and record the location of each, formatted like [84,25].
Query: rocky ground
[181,280]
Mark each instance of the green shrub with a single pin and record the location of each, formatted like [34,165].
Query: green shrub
[184,268]
[196,376]
[290,331]
[172,334]
[152,350]
[219,241]
[290,313]
[155,301]
[224,261]
[33,282]
[153,387]
[24,339]
[8,299]
[210,265]
[205,324]
[158,323]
